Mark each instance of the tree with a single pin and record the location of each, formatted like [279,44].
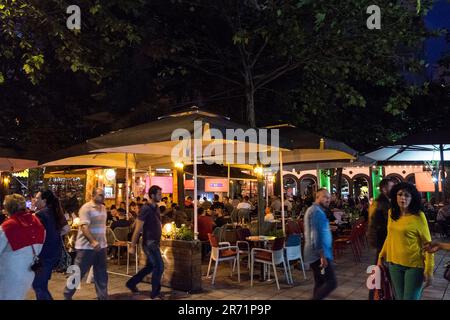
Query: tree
[318,50]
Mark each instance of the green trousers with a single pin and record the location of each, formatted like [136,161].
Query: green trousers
[407,282]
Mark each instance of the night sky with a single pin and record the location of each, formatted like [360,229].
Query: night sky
[438,17]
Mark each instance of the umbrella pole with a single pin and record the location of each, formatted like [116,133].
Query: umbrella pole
[228,178]
[126,183]
[441,149]
[282,193]
[195,192]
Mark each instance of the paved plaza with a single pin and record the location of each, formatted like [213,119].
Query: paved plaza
[351,284]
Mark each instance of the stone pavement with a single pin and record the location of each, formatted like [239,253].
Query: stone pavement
[351,284]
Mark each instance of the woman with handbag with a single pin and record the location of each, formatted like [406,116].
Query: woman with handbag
[51,215]
[410,268]
[21,238]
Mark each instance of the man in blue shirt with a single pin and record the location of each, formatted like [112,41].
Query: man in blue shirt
[319,246]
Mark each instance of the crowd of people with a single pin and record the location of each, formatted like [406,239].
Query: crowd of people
[31,239]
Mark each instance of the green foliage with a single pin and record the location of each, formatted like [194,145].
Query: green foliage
[184,233]
[278,233]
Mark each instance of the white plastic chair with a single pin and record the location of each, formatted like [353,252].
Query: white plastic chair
[270,257]
[223,251]
[293,252]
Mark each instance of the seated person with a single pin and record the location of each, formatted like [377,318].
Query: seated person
[268,216]
[217,203]
[245,204]
[220,220]
[180,217]
[122,222]
[205,224]
[188,203]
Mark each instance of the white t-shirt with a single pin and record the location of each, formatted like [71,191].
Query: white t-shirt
[94,216]
[244,205]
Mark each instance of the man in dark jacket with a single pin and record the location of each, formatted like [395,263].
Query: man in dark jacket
[378,218]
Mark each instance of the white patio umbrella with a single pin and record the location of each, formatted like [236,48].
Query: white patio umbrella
[432,145]
[12,160]
[309,147]
[155,138]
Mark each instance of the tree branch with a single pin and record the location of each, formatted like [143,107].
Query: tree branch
[276,74]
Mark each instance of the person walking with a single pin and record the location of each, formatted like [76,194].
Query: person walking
[410,269]
[22,236]
[319,246]
[149,222]
[91,244]
[378,217]
[51,215]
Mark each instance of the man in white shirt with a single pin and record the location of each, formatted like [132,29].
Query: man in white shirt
[91,244]
[245,204]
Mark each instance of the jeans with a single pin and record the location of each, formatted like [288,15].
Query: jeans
[324,284]
[40,282]
[407,282]
[85,259]
[155,266]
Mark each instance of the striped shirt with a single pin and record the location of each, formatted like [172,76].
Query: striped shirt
[94,216]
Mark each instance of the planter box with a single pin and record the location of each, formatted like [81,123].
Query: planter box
[182,265]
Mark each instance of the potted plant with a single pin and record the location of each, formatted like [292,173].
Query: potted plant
[182,258]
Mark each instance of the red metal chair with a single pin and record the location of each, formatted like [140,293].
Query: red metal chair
[352,240]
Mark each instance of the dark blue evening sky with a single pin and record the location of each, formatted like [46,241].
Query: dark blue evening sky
[438,17]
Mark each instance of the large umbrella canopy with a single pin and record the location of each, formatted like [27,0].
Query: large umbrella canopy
[426,146]
[15,160]
[156,137]
[418,147]
[80,155]
[310,147]
[409,153]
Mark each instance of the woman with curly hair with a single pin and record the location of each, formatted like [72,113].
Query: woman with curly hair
[410,268]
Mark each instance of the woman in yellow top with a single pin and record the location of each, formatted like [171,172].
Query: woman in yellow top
[410,267]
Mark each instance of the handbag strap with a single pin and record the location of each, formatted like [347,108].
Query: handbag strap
[34,252]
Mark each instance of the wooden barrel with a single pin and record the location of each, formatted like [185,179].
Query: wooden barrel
[182,265]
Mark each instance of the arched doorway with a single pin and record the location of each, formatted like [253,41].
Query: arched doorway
[345,185]
[361,186]
[308,184]
[290,185]
[394,177]
[411,178]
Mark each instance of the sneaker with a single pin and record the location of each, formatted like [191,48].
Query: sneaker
[158,297]
[133,289]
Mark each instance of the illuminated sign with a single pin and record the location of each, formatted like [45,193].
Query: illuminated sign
[164,182]
[425,182]
[216,185]
[21,174]
[110,174]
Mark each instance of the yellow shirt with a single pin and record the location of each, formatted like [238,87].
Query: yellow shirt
[405,240]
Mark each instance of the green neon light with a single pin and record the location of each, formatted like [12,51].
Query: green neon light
[377,176]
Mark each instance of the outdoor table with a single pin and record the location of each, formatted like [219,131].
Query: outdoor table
[261,242]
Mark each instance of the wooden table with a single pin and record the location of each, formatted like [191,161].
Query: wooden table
[260,242]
